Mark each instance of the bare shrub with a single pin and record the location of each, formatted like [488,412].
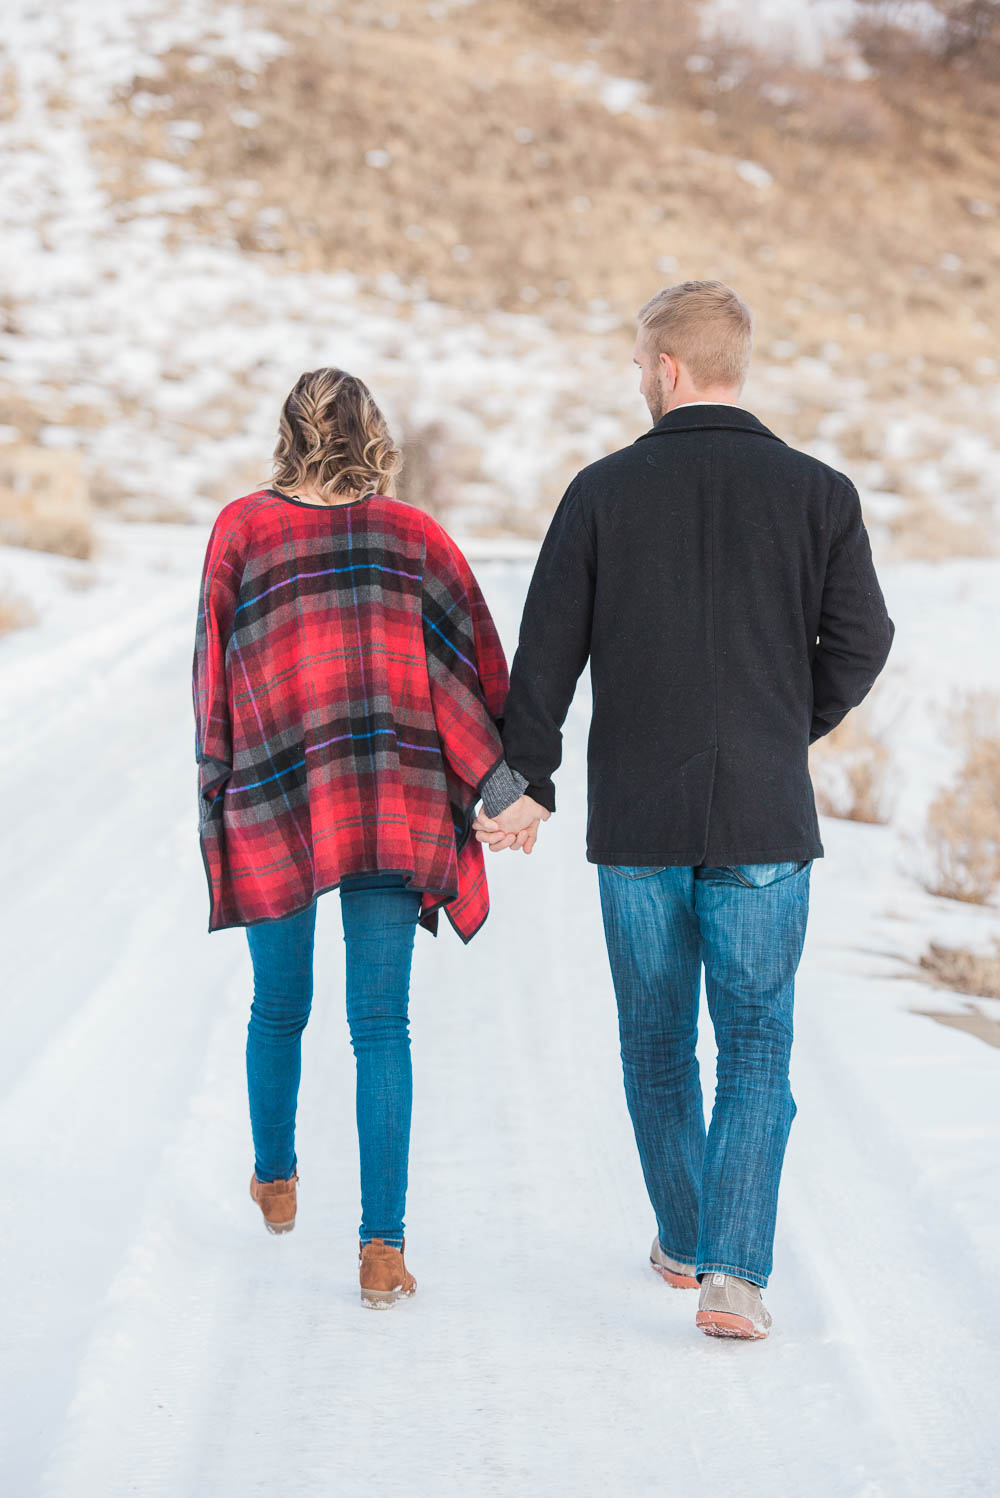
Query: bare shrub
[17,411]
[244,477]
[924,531]
[963,822]
[842,114]
[108,492]
[43,501]
[15,613]
[80,581]
[628,27]
[966,32]
[590,15]
[970,26]
[427,477]
[67,536]
[154,510]
[963,971]
[850,770]
[755,87]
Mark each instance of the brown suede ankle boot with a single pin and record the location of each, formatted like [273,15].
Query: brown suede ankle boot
[277,1202]
[384,1276]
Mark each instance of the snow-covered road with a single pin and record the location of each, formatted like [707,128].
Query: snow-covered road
[156,1341]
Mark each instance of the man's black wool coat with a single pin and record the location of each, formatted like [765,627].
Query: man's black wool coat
[722,585]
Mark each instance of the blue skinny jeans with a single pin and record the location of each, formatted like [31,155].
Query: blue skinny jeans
[380,920]
[714,1194]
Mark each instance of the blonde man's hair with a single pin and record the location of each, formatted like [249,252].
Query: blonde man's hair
[332,434]
[706,326]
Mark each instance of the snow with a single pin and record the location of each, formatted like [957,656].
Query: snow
[803,30]
[158,1341]
[815,33]
[617,95]
[754,173]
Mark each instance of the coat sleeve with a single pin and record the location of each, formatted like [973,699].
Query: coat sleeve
[855,631]
[220,585]
[466,666]
[553,646]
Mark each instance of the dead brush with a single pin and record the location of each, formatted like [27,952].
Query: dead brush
[963,971]
[68,536]
[967,34]
[850,769]
[338,164]
[427,477]
[924,531]
[44,503]
[15,613]
[963,822]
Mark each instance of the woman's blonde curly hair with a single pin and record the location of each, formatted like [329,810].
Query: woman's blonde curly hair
[331,434]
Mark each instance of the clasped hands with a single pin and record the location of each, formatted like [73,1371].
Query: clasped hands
[516,827]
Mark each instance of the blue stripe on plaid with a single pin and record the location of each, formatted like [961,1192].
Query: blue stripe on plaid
[230,789]
[337,739]
[450,643]
[325,572]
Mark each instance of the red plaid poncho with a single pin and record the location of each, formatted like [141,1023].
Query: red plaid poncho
[347,683]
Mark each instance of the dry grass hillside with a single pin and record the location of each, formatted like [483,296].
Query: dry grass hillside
[565,158]
[469,149]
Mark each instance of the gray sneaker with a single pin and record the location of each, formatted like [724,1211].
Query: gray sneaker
[731,1307]
[680,1276]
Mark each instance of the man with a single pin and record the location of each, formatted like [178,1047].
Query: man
[722,585]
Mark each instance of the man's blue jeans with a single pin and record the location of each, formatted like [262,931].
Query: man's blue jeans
[715,1196]
[380,919]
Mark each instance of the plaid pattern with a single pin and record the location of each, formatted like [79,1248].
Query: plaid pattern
[348,682]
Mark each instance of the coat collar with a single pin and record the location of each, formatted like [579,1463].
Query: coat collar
[711,415]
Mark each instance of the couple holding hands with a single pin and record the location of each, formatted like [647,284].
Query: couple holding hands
[353,710]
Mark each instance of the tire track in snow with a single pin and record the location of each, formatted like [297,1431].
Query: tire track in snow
[886,1262]
[540,1353]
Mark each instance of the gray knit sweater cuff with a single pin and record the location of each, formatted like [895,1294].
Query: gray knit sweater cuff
[501,788]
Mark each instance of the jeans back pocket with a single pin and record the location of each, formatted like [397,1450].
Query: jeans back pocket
[752,875]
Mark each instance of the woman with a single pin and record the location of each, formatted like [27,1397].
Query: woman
[347,682]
